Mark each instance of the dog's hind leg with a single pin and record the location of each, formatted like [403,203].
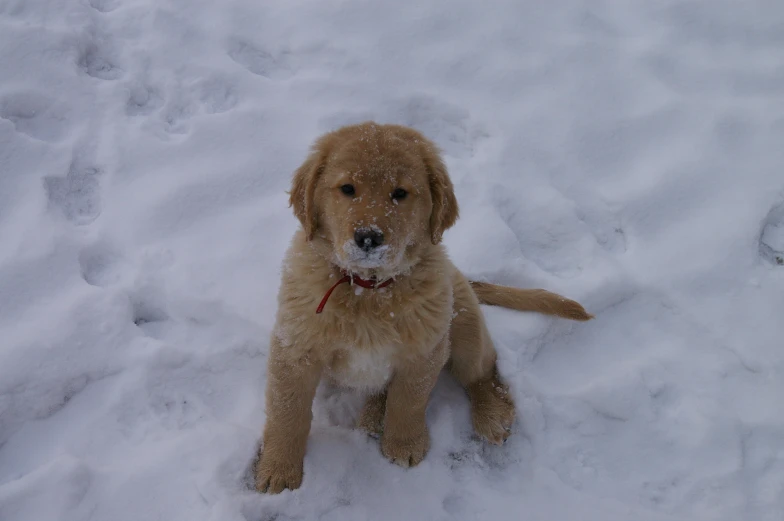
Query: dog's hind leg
[371,419]
[473,363]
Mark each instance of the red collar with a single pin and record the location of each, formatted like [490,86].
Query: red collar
[354,279]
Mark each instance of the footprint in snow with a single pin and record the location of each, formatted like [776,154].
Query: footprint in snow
[771,243]
[176,109]
[100,264]
[77,195]
[467,457]
[176,115]
[217,95]
[143,100]
[36,115]
[456,505]
[259,61]
[450,126]
[146,310]
[104,6]
[149,314]
[94,60]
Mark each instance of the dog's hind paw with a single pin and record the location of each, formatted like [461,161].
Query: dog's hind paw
[371,419]
[492,410]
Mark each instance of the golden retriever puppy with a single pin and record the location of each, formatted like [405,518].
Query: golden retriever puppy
[370,300]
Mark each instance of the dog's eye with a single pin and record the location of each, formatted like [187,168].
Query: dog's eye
[399,193]
[347,189]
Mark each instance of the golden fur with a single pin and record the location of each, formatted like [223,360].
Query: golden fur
[390,343]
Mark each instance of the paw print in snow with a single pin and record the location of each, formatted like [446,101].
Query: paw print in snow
[35,115]
[177,107]
[772,238]
[77,195]
[217,95]
[258,61]
[101,264]
[104,6]
[143,100]
[450,126]
[95,62]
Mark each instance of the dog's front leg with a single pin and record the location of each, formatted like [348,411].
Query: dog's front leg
[291,386]
[406,440]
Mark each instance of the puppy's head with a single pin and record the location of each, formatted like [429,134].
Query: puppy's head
[371,197]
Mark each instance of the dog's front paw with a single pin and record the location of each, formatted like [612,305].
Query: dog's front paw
[406,452]
[274,476]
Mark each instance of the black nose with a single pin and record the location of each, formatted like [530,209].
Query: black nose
[368,239]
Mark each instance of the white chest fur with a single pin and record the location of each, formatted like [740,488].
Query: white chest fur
[366,368]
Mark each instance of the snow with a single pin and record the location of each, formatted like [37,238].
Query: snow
[625,154]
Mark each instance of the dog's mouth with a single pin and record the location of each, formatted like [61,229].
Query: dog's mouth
[381,262]
[356,258]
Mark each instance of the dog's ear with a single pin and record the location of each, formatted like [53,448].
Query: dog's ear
[445,210]
[303,189]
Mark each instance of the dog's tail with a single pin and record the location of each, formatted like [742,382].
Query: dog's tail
[538,300]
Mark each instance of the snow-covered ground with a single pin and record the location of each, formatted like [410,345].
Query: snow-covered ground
[629,154]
